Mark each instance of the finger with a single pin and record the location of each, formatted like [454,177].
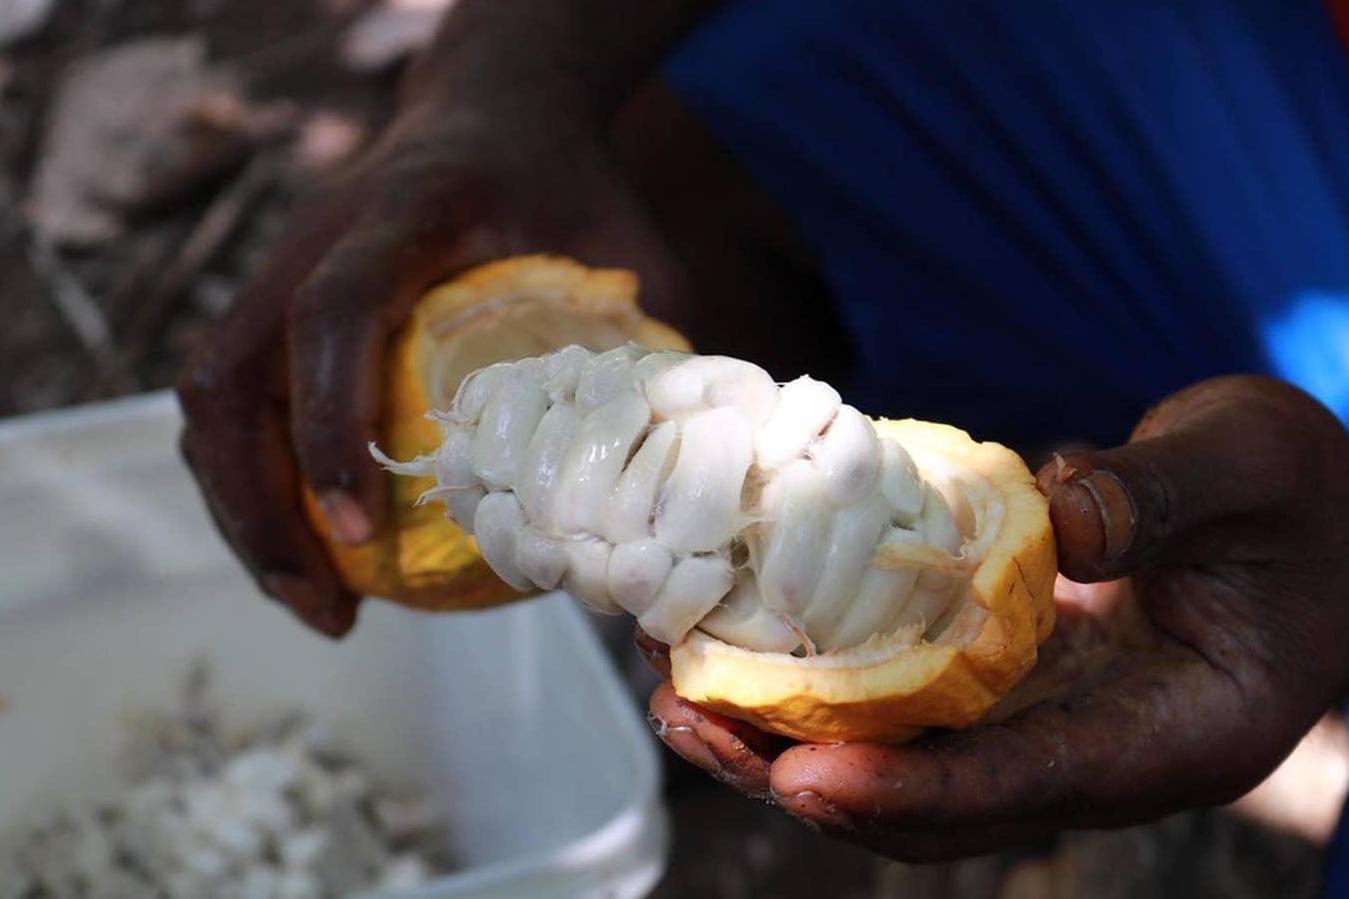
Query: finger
[1082,651]
[732,751]
[1150,741]
[656,653]
[236,440]
[1219,472]
[342,314]
[238,450]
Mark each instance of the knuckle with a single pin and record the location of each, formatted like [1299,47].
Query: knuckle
[216,398]
[316,304]
[339,283]
[427,195]
[340,295]
[202,387]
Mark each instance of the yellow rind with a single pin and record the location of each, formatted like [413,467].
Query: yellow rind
[877,695]
[420,558]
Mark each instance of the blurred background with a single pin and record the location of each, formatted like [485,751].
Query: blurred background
[149,150]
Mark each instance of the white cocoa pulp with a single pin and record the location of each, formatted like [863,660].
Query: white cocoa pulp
[694,492]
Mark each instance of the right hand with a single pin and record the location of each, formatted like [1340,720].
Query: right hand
[286,390]
[1201,636]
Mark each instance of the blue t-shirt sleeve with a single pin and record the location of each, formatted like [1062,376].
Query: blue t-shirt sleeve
[1040,218]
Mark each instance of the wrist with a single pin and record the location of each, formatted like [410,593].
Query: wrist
[583,57]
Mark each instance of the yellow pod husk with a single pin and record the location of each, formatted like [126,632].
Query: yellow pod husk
[879,691]
[509,309]
[883,693]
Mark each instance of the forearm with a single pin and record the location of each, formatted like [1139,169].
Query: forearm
[590,53]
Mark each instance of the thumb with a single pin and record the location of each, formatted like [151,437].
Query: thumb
[1225,471]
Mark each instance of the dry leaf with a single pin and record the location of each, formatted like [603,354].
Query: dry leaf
[23,18]
[126,131]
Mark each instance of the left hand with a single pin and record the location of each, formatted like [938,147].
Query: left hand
[1202,634]
[285,392]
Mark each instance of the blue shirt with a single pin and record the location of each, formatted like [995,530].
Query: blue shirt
[1041,217]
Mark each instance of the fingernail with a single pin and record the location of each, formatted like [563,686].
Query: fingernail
[688,746]
[814,809]
[345,516]
[1062,470]
[1054,474]
[1119,515]
[659,661]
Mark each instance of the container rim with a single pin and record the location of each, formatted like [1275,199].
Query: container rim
[644,818]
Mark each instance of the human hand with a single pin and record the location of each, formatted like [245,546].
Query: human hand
[1201,636]
[286,390]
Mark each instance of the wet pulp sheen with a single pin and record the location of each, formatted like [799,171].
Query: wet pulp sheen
[695,492]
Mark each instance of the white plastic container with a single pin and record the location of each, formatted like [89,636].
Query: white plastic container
[112,580]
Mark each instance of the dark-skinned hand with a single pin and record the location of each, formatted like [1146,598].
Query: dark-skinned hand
[286,390]
[1202,633]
